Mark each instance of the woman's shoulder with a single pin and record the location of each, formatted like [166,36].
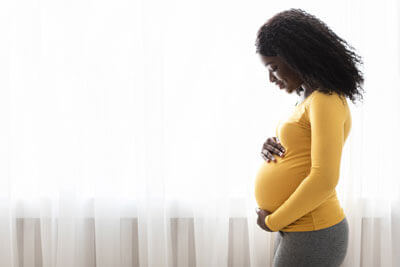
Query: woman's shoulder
[328,104]
[327,98]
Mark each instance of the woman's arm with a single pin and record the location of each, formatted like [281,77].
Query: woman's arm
[327,115]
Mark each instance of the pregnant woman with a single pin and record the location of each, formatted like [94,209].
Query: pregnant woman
[295,189]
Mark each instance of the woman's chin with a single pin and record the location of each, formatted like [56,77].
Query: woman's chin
[284,87]
[288,90]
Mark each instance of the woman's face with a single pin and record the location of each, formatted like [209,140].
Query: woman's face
[281,74]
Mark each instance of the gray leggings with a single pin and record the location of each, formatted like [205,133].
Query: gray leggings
[326,247]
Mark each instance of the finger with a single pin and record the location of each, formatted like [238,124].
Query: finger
[264,212]
[281,148]
[278,145]
[268,154]
[274,149]
[264,157]
[261,224]
[269,140]
[259,221]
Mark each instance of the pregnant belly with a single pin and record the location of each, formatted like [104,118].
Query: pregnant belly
[276,181]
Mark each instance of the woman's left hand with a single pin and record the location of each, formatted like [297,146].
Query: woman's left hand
[261,219]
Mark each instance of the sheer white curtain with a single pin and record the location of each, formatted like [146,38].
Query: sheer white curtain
[131,132]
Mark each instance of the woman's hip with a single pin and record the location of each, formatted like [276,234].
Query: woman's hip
[324,247]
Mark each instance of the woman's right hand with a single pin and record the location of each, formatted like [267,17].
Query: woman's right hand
[270,147]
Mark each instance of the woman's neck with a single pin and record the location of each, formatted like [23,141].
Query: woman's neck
[304,94]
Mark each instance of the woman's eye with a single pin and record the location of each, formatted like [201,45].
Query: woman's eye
[273,69]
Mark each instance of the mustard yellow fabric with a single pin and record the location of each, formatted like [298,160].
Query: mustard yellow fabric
[299,189]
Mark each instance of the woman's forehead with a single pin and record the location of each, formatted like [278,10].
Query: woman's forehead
[269,59]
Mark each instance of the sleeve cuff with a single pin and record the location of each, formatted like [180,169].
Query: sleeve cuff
[268,224]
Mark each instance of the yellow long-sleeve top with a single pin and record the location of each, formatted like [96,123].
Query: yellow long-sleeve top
[299,189]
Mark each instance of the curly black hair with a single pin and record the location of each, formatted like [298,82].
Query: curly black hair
[320,57]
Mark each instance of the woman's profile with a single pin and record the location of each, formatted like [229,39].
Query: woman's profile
[295,187]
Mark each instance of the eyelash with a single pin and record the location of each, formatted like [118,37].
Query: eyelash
[274,69]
